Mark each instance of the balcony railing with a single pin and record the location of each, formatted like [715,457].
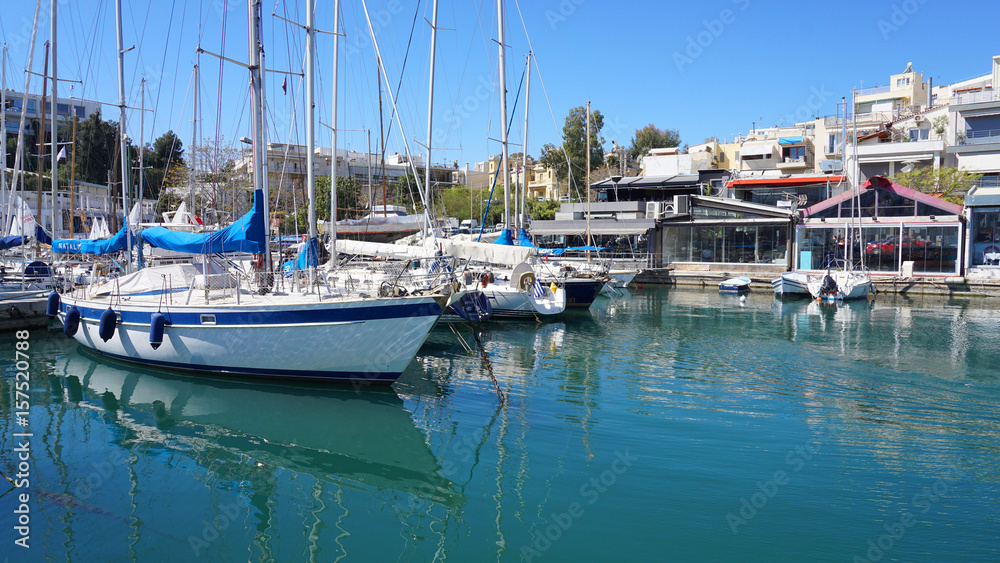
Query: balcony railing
[974,97]
[982,137]
[875,90]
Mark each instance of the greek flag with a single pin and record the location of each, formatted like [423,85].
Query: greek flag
[539,290]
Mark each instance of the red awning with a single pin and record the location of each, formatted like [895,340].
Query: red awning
[800,181]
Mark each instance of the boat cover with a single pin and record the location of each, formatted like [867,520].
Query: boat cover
[10,242]
[245,235]
[97,246]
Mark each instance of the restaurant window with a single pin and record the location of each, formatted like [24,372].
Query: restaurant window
[794,152]
[985,237]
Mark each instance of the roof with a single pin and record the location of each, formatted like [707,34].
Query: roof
[981,197]
[787,181]
[645,182]
[597,227]
[884,183]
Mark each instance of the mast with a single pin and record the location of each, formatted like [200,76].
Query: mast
[72,180]
[41,145]
[121,130]
[503,116]
[310,119]
[142,144]
[590,241]
[333,135]
[54,150]
[194,140]
[3,153]
[522,217]
[257,119]
[381,136]
[430,113]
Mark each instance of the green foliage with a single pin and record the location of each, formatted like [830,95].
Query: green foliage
[542,210]
[575,145]
[950,184]
[348,198]
[652,137]
[96,149]
[940,124]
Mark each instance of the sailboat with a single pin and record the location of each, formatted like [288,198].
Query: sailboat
[847,283]
[219,317]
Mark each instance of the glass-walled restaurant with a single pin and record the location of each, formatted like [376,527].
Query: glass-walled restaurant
[882,228]
[728,231]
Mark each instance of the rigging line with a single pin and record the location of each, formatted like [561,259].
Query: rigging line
[222,53]
[545,91]
[163,180]
[402,71]
[159,86]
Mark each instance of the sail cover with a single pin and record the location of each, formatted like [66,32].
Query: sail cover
[98,246]
[245,235]
[10,242]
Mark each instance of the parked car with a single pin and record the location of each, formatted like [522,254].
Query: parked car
[888,245]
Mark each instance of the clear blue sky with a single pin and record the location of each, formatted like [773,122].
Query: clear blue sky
[705,68]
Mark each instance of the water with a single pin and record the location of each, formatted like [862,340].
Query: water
[672,425]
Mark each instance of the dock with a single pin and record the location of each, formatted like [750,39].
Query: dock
[24,313]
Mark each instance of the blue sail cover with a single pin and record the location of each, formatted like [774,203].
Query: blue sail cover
[308,258]
[524,240]
[505,238]
[42,236]
[99,246]
[10,242]
[245,235]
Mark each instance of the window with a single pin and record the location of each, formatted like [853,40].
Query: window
[14,104]
[80,111]
[794,153]
[63,109]
[833,143]
[919,134]
[31,106]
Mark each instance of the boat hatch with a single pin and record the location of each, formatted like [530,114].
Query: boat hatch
[208,319]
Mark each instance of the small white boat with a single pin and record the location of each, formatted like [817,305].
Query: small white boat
[842,285]
[735,285]
[791,283]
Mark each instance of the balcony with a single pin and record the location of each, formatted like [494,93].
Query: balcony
[793,163]
[983,137]
[875,90]
[983,96]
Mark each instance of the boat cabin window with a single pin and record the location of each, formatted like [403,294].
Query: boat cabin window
[208,319]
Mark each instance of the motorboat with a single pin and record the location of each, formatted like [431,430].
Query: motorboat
[791,283]
[735,285]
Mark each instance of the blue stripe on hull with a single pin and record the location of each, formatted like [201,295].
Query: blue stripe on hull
[356,378]
[582,294]
[283,316]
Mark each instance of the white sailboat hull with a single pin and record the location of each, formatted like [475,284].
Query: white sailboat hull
[850,285]
[335,341]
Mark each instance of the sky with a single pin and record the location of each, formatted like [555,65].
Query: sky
[714,68]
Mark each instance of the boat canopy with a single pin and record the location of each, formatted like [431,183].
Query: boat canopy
[245,235]
[10,242]
[308,258]
[97,246]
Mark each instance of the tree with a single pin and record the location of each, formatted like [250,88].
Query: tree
[940,125]
[652,137]
[96,149]
[950,184]
[574,145]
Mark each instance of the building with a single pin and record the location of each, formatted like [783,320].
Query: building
[974,112]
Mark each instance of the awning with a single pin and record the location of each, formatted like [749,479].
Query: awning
[983,197]
[799,181]
[894,158]
[790,140]
[597,227]
[757,149]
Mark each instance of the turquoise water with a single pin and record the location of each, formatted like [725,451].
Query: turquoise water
[670,425]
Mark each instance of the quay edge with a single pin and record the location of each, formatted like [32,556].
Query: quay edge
[954,286]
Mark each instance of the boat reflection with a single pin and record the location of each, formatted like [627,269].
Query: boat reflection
[360,439]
